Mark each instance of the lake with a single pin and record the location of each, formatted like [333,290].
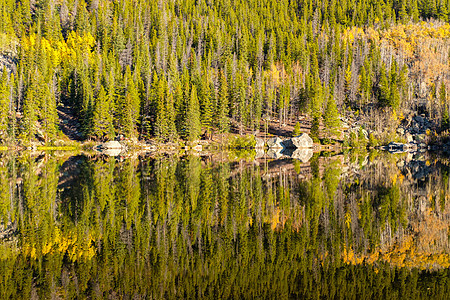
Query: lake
[348,226]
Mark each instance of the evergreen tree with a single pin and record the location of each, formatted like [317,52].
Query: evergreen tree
[4,104]
[193,124]
[331,118]
[222,107]
[29,118]
[207,108]
[171,127]
[297,129]
[103,117]
[394,96]
[383,87]
[130,106]
[161,128]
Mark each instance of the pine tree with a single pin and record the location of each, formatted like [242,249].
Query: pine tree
[222,109]
[316,109]
[331,118]
[160,125]
[171,115]
[130,106]
[4,104]
[29,112]
[394,96]
[383,87]
[102,121]
[207,108]
[48,115]
[297,129]
[193,125]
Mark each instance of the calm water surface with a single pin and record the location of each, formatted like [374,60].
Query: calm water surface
[354,226]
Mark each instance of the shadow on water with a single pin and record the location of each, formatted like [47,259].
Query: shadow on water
[350,225]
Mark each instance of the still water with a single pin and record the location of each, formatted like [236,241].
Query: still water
[353,226]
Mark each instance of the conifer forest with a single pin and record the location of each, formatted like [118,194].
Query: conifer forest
[188,69]
[225,149]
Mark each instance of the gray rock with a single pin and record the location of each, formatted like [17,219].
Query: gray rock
[411,147]
[274,153]
[302,141]
[197,148]
[111,145]
[288,144]
[259,143]
[275,142]
[111,152]
[259,153]
[419,119]
[303,154]
[150,147]
[409,138]
[396,147]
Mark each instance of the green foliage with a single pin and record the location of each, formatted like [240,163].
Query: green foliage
[5,97]
[193,225]
[297,129]
[103,116]
[249,60]
[242,142]
[331,118]
[193,124]
[373,142]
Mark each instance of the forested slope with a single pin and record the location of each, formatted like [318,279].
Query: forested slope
[184,69]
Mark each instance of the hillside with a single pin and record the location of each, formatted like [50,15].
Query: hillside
[170,70]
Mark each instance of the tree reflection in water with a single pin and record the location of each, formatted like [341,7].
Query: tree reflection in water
[191,227]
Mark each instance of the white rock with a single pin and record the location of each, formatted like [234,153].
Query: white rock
[111,145]
[275,142]
[302,141]
[303,154]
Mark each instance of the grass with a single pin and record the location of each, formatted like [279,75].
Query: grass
[58,148]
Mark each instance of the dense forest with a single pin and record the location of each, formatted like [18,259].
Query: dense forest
[172,69]
[194,227]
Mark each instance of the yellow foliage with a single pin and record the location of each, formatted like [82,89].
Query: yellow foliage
[62,244]
[59,51]
[348,219]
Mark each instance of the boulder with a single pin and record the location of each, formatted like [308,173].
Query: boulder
[411,147]
[197,148]
[111,152]
[274,153]
[259,143]
[259,153]
[396,147]
[111,145]
[275,142]
[288,144]
[419,119]
[303,154]
[302,141]
[150,147]
[409,137]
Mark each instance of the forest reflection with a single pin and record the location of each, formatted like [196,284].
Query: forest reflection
[354,226]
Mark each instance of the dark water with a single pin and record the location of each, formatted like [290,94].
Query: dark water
[355,226]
